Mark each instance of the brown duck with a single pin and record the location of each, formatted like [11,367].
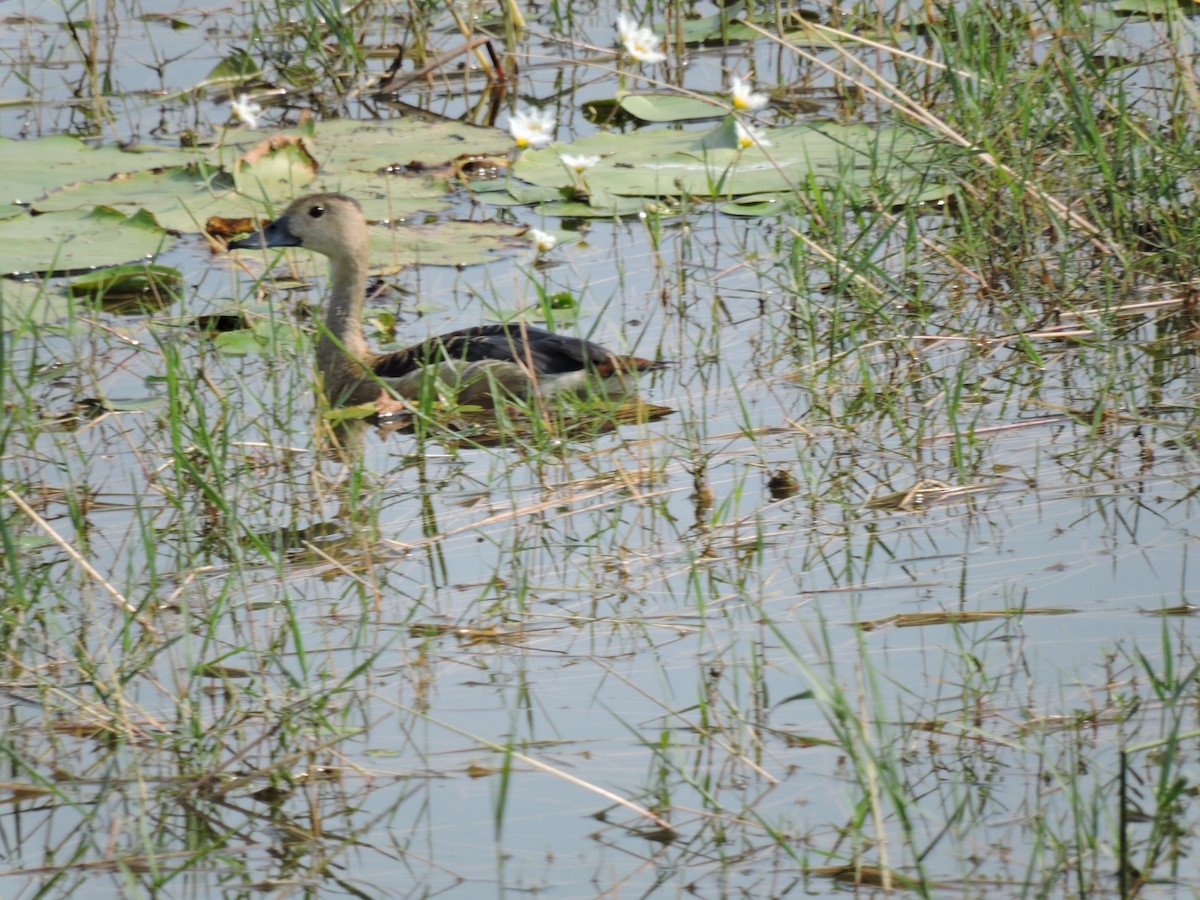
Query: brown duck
[478,365]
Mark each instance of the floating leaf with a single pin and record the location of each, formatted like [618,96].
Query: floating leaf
[612,207]
[760,205]
[31,168]
[266,336]
[346,145]
[672,107]
[77,239]
[124,282]
[237,66]
[730,24]
[858,158]
[177,196]
[449,243]
[514,193]
[279,165]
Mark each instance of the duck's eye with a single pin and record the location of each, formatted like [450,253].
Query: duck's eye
[317,211]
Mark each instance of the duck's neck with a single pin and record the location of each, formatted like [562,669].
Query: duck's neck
[342,347]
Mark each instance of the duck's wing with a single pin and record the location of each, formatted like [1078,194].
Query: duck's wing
[542,351]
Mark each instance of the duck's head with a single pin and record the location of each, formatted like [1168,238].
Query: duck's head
[330,224]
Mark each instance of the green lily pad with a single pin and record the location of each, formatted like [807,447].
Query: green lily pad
[710,164]
[612,207]
[672,107]
[30,303]
[730,24]
[514,193]
[166,193]
[346,145]
[449,243]
[760,205]
[237,66]
[281,164]
[390,198]
[266,336]
[78,239]
[181,198]
[120,282]
[31,168]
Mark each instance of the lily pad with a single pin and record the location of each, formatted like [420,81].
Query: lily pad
[237,66]
[30,303]
[266,336]
[760,205]
[346,145]
[449,243]
[727,25]
[123,282]
[281,163]
[617,207]
[390,198]
[77,239]
[31,168]
[672,107]
[168,194]
[710,164]
[514,193]
[730,24]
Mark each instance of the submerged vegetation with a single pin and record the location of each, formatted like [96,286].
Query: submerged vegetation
[884,585]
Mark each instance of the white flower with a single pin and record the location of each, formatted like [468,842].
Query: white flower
[578,164]
[542,242]
[743,95]
[749,136]
[626,27]
[640,43]
[246,110]
[532,128]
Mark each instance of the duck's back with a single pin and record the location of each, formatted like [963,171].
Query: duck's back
[543,352]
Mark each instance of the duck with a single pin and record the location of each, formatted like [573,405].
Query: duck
[483,365]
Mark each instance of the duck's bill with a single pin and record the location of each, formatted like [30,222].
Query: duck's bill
[276,234]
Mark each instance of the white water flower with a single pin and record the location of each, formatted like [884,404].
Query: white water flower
[741,91]
[542,241]
[627,27]
[532,128]
[578,164]
[246,110]
[749,136]
[640,43]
